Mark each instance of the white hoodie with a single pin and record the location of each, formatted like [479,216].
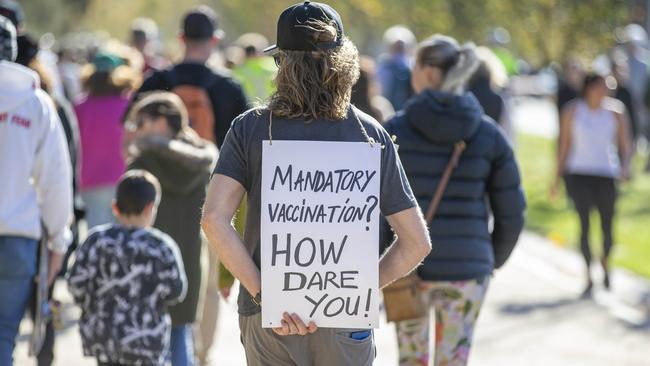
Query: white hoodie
[35,175]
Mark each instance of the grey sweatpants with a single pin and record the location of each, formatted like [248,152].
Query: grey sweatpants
[326,347]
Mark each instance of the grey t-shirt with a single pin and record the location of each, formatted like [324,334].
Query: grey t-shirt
[240,158]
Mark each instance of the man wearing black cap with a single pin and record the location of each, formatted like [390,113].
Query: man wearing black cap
[200,34]
[317,67]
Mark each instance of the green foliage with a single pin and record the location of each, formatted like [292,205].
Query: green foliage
[541,30]
[557,220]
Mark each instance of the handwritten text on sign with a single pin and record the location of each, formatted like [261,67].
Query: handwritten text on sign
[319,234]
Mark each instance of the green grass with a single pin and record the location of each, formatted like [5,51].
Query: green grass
[556,219]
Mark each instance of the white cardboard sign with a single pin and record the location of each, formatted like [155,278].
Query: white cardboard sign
[320,233]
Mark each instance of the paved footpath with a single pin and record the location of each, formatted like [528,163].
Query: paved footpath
[532,317]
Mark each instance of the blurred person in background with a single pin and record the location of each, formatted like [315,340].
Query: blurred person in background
[499,43]
[456,274]
[365,93]
[71,58]
[65,111]
[256,72]
[213,99]
[107,82]
[169,149]
[621,78]
[594,153]
[233,56]
[569,82]
[488,84]
[12,11]
[29,47]
[144,35]
[49,61]
[394,71]
[27,50]
[37,201]
[635,46]
[71,129]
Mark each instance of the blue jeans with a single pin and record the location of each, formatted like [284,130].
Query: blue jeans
[17,270]
[181,346]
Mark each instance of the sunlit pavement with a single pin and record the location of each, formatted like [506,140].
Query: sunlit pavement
[532,316]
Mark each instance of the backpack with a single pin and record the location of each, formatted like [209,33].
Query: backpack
[199,106]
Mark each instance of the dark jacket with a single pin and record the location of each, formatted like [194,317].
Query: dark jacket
[227,97]
[623,94]
[183,169]
[487,176]
[394,75]
[71,128]
[491,102]
[565,94]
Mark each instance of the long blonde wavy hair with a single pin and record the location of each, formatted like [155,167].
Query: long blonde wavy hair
[316,85]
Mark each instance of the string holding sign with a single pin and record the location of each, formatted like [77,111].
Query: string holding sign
[364,132]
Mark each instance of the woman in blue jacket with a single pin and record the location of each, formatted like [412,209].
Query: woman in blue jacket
[481,213]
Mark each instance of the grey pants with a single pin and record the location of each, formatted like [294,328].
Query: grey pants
[326,347]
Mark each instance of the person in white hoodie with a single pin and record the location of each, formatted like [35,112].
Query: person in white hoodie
[35,188]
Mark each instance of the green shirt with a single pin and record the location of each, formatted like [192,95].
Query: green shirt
[256,77]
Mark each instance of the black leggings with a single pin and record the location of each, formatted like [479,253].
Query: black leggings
[588,192]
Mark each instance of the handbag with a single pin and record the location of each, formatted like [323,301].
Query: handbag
[402,298]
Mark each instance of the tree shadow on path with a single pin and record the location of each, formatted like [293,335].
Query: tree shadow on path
[632,318]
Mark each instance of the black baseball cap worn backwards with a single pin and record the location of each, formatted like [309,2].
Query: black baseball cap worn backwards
[295,35]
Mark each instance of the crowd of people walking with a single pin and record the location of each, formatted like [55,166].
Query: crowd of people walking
[145,175]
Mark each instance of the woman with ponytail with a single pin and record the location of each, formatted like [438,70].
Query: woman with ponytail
[483,185]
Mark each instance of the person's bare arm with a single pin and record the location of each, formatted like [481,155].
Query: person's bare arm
[564,144]
[624,141]
[223,199]
[410,248]
[221,203]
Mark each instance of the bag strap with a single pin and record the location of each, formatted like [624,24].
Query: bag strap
[459,147]
[170,78]
[209,82]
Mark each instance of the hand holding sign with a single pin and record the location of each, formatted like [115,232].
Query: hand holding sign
[319,235]
[293,325]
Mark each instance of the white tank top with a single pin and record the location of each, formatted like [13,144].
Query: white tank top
[594,148]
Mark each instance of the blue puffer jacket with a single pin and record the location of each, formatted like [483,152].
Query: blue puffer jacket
[486,182]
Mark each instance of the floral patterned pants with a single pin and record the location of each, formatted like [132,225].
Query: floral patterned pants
[456,305]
